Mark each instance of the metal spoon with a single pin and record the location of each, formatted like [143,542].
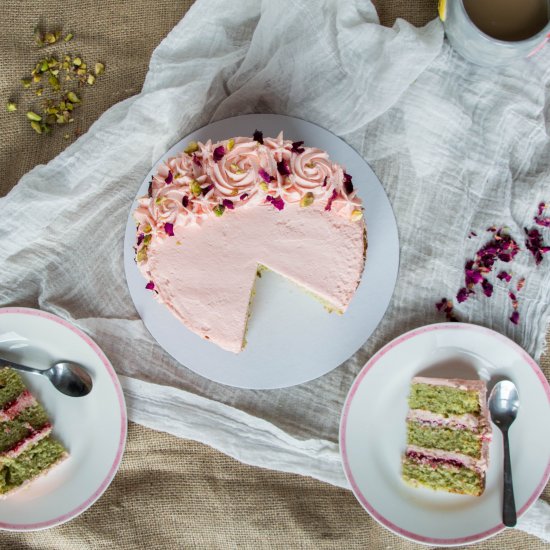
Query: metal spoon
[504,405]
[69,378]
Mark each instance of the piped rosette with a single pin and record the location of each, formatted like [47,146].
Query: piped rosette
[212,179]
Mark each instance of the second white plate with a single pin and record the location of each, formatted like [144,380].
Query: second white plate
[291,338]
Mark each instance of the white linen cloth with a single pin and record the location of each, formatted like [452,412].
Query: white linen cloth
[457,148]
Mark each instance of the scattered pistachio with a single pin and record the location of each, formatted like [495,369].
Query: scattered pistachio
[68,37]
[33,116]
[66,136]
[99,68]
[142,254]
[77,61]
[26,82]
[219,210]
[54,82]
[195,188]
[36,127]
[44,66]
[230,144]
[307,199]
[37,78]
[11,106]
[356,215]
[72,97]
[39,91]
[192,146]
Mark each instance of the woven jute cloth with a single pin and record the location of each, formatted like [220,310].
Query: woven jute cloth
[171,493]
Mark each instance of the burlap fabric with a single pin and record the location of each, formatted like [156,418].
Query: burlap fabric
[173,493]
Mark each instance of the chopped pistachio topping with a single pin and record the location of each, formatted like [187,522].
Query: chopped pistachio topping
[11,106]
[141,256]
[219,210]
[263,185]
[307,199]
[147,229]
[310,165]
[33,116]
[147,239]
[356,215]
[230,144]
[234,167]
[192,147]
[195,188]
[99,68]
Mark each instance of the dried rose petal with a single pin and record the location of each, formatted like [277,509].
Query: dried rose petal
[140,238]
[297,147]
[243,196]
[534,244]
[331,200]
[207,189]
[185,201]
[150,285]
[325,181]
[348,185]
[514,317]
[446,306]
[520,284]
[487,288]
[169,178]
[264,175]
[283,168]
[196,160]
[462,295]
[472,234]
[504,276]
[150,189]
[472,277]
[219,152]
[169,229]
[540,219]
[228,204]
[258,136]
[277,202]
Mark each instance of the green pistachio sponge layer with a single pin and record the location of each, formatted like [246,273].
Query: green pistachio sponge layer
[444,399]
[446,439]
[454,479]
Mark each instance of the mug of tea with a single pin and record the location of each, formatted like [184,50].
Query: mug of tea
[496,32]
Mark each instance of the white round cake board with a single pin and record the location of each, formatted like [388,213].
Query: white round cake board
[291,338]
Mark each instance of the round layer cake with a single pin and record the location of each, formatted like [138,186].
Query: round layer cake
[218,213]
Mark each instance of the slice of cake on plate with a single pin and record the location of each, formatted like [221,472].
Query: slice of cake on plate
[218,212]
[27,449]
[448,435]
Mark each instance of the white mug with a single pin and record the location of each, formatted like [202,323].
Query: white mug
[480,48]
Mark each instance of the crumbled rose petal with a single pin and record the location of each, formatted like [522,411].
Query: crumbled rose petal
[520,284]
[514,299]
[264,175]
[348,185]
[472,277]
[539,218]
[169,178]
[514,317]
[185,201]
[534,244]
[492,229]
[331,200]
[228,204]
[472,234]
[196,160]
[258,136]
[140,238]
[207,189]
[283,168]
[446,306]
[169,229]
[219,152]
[243,196]
[462,295]
[504,276]
[487,288]
[277,202]
[150,285]
[325,181]
[297,147]
[150,189]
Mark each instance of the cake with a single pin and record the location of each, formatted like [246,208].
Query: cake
[218,213]
[448,435]
[27,449]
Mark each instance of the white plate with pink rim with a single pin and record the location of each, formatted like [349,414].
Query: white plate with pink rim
[373,433]
[92,428]
[291,339]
